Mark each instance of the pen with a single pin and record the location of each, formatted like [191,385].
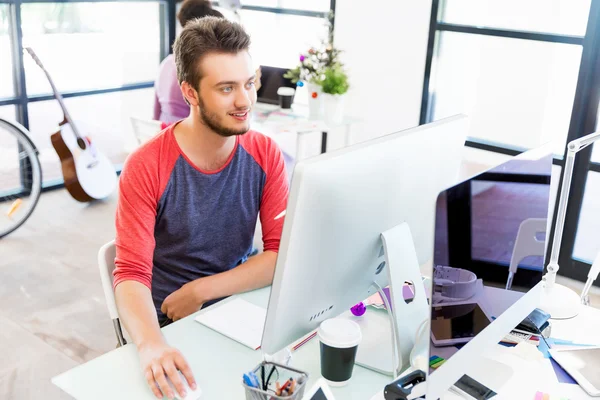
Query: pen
[302,343]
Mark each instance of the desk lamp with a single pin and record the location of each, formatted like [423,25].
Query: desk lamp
[592,276]
[558,300]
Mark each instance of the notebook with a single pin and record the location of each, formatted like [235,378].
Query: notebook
[237,319]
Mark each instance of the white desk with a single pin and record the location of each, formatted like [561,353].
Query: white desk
[217,362]
[289,127]
[527,376]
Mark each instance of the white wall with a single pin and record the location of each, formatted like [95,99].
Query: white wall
[385,46]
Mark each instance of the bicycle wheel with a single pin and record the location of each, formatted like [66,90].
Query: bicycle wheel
[20,176]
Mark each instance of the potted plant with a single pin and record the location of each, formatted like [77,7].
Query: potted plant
[308,73]
[334,85]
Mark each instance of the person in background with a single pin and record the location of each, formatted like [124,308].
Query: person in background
[169,103]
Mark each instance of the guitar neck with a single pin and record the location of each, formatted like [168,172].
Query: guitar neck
[61,101]
[57,94]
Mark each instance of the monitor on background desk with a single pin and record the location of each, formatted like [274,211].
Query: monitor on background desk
[477,224]
[271,79]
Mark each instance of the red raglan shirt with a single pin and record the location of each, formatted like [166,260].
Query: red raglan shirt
[176,223]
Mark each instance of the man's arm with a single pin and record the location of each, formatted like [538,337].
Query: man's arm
[255,273]
[136,310]
[139,188]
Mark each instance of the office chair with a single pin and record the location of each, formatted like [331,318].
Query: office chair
[145,129]
[527,244]
[106,263]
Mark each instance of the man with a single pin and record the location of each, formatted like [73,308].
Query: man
[189,201]
[169,103]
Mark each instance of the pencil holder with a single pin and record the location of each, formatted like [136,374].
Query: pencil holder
[271,377]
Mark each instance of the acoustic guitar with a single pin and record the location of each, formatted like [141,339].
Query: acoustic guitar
[88,174]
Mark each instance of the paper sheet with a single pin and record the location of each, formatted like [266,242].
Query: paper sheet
[238,320]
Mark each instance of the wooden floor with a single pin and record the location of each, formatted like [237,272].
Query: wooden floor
[53,316]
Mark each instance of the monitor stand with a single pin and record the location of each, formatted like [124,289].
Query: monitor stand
[401,265]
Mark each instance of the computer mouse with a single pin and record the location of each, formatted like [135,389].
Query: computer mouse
[190,394]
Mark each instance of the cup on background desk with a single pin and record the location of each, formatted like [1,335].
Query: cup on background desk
[286,96]
[339,339]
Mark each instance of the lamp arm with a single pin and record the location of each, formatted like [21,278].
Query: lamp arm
[572,148]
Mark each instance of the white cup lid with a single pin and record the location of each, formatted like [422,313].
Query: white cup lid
[340,333]
[286,91]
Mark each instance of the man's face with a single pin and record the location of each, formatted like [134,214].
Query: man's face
[227,92]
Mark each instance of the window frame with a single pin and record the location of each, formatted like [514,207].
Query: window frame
[583,117]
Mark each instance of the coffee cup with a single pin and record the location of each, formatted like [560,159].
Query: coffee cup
[339,339]
[286,96]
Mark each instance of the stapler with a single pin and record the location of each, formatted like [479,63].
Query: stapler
[411,386]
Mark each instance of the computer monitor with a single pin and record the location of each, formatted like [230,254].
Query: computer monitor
[271,79]
[339,204]
[483,227]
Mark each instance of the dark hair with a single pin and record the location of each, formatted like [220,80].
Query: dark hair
[202,36]
[192,9]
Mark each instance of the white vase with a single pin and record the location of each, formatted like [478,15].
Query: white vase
[315,101]
[333,108]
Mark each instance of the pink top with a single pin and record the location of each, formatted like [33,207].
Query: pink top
[169,104]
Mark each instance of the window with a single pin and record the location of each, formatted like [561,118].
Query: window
[282,29]
[9,159]
[308,5]
[312,5]
[517,93]
[514,68]
[278,39]
[91,45]
[6,67]
[565,17]
[586,243]
[7,112]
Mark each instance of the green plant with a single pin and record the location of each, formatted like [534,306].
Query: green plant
[335,80]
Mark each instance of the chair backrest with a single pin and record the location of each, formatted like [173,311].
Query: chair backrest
[527,243]
[145,129]
[106,263]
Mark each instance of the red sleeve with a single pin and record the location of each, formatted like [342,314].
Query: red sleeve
[275,192]
[143,179]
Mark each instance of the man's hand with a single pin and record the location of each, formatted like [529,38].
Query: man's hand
[184,301]
[161,360]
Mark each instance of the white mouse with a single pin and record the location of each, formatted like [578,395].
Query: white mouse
[190,394]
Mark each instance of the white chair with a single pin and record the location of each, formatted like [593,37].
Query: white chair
[106,263]
[527,244]
[145,129]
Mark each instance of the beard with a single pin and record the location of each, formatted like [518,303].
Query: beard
[211,120]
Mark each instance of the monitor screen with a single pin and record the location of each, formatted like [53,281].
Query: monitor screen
[480,224]
[271,79]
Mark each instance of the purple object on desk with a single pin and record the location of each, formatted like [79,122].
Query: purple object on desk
[359,309]
[407,293]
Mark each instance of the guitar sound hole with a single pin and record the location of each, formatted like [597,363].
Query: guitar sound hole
[81,144]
